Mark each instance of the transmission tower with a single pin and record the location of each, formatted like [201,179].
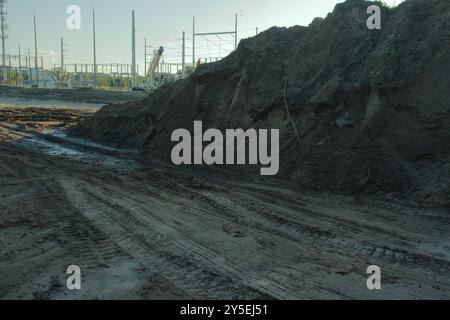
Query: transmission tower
[4,28]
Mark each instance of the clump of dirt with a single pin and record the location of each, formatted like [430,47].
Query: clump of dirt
[372,107]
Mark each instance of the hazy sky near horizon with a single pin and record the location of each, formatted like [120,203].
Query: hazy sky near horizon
[161,21]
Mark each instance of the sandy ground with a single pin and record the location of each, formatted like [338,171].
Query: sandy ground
[157,232]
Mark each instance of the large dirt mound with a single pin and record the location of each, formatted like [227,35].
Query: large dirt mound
[372,106]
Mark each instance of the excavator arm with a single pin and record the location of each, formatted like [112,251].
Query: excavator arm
[154,66]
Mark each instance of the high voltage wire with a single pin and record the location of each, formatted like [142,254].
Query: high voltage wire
[219,47]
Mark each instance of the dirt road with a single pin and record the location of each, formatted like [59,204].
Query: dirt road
[95,96]
[157,232]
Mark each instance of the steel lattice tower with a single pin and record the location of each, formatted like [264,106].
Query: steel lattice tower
[3,35]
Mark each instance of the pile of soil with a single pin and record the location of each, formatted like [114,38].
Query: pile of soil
[372,107]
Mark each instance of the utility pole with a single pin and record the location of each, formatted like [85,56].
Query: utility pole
[183,61]
[36,51]
[9,67]
[236,32]
[62,55]
[3,35]
[133,51]
[193,42]
[257,31]
[20,66]
[145,56]
[29,67]
[95,48]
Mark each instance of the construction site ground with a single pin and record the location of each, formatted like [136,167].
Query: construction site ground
[145,229]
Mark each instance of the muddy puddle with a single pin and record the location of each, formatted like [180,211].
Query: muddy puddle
[69,147]
[41,145]
[47,137]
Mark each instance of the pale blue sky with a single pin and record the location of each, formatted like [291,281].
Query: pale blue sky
[161,21]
